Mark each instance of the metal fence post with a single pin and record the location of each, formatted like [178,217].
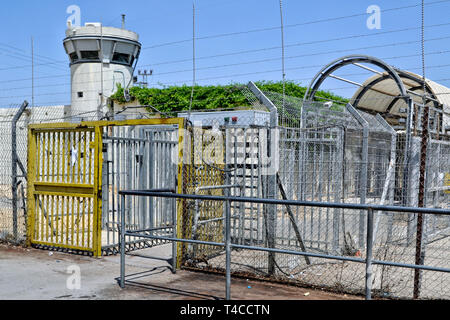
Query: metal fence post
[174,235]
[338,185]
[228,248]
[407,154]
[364,164]
[122,242]
[272,208]
[370,241]
[14,161]
[105,187]
[419,257]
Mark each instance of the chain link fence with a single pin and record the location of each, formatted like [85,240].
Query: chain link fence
[321,152]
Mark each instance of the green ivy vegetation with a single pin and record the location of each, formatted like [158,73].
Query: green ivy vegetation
[174,99]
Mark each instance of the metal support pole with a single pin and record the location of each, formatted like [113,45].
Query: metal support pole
[122,242]
[369,254]
[228,248]
[420,254]
[105,189]
[143,167]
[127,152]
[174,234]
[151,177]
[364,164]
[14,161]
[363,181]
[271,213]
[266,102]
[338,172]
[407,154]
[419,232]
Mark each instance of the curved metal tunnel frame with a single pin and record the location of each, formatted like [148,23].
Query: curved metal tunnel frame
[391,72]
[327,71]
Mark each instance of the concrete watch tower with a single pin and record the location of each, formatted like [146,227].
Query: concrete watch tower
[100,59]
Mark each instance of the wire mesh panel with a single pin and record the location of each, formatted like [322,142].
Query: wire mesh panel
[225,161]
[319,152]
[332,125]
[203,174]
[325,153]
[243,147]
[9,231]
[311,170]
[438,188]
[398,282]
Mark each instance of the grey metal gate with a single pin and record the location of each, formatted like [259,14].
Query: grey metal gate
[138,158]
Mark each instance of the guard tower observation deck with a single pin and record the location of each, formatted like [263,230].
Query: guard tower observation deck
[101,58]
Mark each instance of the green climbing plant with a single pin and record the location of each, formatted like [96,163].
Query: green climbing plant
[175,99]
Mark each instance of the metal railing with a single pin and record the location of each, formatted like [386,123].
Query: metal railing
[228,245]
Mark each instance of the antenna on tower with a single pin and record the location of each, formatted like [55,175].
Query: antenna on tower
[144,74]
[123,21]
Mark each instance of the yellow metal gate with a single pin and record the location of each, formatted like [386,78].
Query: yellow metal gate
[64,194]
[65,182]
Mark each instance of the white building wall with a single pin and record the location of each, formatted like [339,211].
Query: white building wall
[90,81]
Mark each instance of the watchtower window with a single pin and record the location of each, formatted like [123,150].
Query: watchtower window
[89,55]
[74,57]
[121,57]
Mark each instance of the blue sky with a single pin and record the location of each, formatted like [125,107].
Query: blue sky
[316,32]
